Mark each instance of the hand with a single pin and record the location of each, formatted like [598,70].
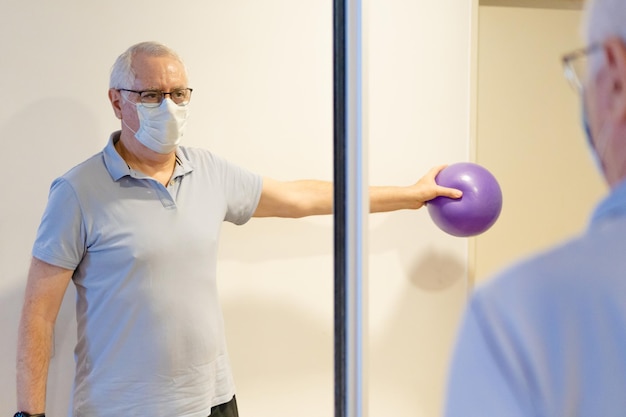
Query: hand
[426,188]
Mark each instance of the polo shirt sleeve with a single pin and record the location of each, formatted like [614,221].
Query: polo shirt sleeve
[61,235]
[242,190]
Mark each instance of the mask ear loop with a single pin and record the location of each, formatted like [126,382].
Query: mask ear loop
[128,101]
[598,147]
[129,128]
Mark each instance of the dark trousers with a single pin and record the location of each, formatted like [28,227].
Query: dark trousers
[228,409]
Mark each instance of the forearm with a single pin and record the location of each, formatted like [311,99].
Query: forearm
[382,199]
[42,300]
[33,359]
[411,197]
[392,198]
[320,197]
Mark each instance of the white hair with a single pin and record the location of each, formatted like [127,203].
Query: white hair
[603,19]
[122,75]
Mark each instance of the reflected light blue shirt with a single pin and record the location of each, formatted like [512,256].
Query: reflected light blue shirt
[548,336]
[150,329]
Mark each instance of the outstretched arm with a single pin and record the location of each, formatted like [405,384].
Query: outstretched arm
[311,197]
[44,294]
[412,197]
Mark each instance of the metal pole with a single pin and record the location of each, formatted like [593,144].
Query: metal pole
[350,208]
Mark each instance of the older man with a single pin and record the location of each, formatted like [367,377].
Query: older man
[548,336]
[136,227]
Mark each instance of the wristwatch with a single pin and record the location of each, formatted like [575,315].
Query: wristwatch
[25,414]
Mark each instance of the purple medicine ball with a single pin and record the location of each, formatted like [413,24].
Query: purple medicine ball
[477,210]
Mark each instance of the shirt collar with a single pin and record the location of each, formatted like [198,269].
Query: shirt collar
[118,168]
[614,205]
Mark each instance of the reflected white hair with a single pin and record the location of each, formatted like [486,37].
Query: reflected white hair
[603,19]
[122,75]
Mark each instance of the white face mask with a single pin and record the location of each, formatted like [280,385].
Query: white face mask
[161,128]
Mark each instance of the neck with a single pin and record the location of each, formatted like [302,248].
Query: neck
[140,158]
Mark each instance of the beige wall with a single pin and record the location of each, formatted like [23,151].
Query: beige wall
[528,131]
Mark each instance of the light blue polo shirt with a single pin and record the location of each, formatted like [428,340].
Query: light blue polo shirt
[150,329]
[547,337]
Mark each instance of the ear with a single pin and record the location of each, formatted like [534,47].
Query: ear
[115,97]
[615,52]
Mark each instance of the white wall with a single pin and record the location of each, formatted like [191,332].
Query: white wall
[262,78]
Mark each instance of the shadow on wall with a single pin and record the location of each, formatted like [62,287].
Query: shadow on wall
[436,271]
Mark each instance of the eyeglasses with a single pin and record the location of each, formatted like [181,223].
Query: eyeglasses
[153,98]
[576,65]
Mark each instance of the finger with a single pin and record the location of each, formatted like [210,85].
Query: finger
[449,192]
[434,171]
